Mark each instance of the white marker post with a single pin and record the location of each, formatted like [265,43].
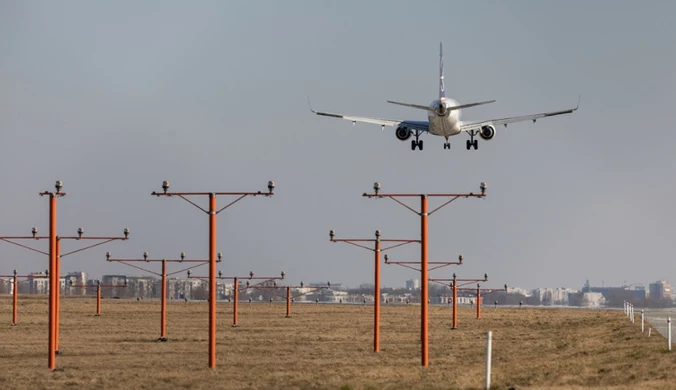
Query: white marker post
[642,321]
[668,333]
[489,340]
[625,308]
[650,330]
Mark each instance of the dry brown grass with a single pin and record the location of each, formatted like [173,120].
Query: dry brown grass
[326,346]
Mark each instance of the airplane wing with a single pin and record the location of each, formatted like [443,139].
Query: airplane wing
[505,121]
[413,125]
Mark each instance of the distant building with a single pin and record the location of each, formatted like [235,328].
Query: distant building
[38,283]
[637,293]
[77,279]
[334,286]
[138,286]
[7,285]
[114,280]
[330,296]
[185,288]
[593,299]
[522,291]
[305,291]
[413,284]
[660,290]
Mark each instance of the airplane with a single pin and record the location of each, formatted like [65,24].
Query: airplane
[444,118]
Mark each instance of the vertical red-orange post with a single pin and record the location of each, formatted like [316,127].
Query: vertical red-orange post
[57,266]
[212,280]
[235,295]
[376,298]
[212,212]
[57,301]
[98,298]
[163,319]
[455,303]
[478,302]
[288,302]
[15,300]
[163,275]
[424,261]
[424,292]
[455,287]
[377,249]
[51,360]
[53,277]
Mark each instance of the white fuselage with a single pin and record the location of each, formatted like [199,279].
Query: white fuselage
[445,125]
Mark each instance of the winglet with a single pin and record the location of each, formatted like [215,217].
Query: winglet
[578,102]
[310,105]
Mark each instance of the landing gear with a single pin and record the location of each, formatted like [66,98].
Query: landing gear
[417,142]
[447,145]
[471,142]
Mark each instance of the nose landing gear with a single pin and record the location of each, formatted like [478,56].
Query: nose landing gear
[447,145]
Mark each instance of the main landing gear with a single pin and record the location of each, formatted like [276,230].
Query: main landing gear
[471,142]
[417,142]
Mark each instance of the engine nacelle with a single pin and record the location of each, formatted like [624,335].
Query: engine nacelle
[403,133]
[487,132]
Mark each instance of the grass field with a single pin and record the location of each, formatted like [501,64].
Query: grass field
[326,346]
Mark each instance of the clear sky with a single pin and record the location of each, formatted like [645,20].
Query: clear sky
[114,97]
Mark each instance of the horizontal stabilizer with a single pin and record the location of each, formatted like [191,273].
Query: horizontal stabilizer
[429,108]
[418,106]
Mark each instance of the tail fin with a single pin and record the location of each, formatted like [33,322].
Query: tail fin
[442,91]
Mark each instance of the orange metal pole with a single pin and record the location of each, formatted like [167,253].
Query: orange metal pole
[424,282]
[163,320]
[376,311]
[57,311]
[212,280]
[51,360]
[288,302]
[455,303]
[234,307]
[98,298]
[15,300]
[478,303]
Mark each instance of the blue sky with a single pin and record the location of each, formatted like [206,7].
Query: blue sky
[112,98]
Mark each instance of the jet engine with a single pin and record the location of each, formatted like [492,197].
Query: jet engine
[403,133]
[487,132]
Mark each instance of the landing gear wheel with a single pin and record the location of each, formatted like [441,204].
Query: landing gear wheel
[469,144]
[416,142]
[476,144]
[447,145]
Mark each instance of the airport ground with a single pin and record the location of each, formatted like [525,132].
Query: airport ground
[328,347]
